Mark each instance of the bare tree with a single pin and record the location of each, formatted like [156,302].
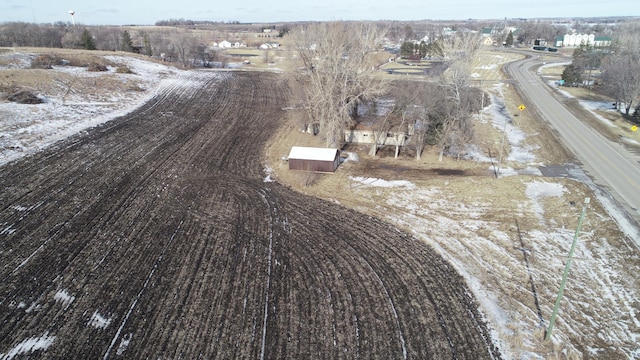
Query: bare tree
[419,133]
[462,46]
[204,55]
[621,70]
[336,73]
[267,56]
[621,76]
[70,40]
[413,101]
[184,46]
[107,38]
[460,101]
[379,134]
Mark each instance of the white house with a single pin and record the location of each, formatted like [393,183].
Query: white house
[369,136]
[576,40]
[269,45]
[224,44]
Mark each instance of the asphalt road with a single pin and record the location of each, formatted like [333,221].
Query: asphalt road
[609,164]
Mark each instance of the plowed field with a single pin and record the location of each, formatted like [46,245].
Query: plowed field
[155,236]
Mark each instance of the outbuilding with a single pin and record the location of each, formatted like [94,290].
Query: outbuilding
[314,159]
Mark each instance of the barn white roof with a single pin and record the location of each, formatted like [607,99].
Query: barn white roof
[312,153]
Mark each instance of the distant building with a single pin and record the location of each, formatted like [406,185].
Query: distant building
[224,44]
[576,40]
[269,45]
[487,32]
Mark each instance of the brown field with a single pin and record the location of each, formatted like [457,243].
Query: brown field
[156,236]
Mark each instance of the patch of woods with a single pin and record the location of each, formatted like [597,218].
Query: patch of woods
[613,71]
[336,90]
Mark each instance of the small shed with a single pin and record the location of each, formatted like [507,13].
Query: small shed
[314,159]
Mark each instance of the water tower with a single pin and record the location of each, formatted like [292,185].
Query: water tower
[73,21]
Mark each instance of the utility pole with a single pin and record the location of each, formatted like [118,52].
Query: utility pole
[504,134]
[566,270]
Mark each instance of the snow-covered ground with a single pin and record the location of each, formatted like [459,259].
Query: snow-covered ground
[27,128]
[515,269]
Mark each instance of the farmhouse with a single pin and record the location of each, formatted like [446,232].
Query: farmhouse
[314,159]
[369,135]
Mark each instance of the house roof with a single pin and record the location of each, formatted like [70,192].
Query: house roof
[312,153]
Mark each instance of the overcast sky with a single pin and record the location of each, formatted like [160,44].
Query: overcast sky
[147,12]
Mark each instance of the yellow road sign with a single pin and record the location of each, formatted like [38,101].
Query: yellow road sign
[634,128]
[522,107]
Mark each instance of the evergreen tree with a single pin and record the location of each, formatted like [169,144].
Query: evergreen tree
[147,45]
[86,40]
[423,49]
[572,75]
[406,49]
[127,43]
[509,41]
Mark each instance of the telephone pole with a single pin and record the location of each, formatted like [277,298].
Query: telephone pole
[566,271]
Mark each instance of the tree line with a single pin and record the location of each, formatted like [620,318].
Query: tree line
[183,46]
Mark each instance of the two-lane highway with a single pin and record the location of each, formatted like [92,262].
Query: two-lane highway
[608,163]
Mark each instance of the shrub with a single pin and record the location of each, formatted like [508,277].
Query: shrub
[45,61]
[123,70]
[97,67]
[24,97]
[135,87]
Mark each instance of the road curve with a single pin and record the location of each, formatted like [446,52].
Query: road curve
[608,163]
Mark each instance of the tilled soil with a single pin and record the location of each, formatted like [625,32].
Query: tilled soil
[155,236]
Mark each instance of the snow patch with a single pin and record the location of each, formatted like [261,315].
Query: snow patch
[382,183]
[351,156]
[99,321]
[124,344]
[539,189]
[592,106]
[29,345]
[269,172]
[487,67]
[7,231]
[64,297]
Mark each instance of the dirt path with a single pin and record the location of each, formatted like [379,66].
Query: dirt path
[155,236]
